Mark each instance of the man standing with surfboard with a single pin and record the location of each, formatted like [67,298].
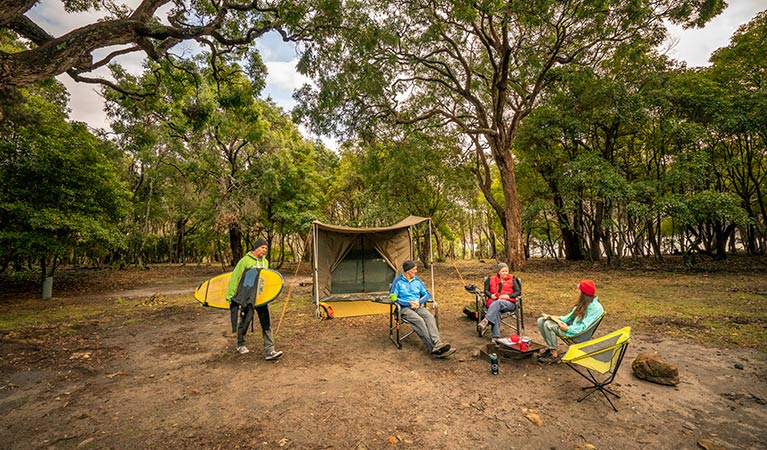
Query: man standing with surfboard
[241,294]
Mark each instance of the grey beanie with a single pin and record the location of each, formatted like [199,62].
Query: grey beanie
[407,265]
[502,266]
[259,242]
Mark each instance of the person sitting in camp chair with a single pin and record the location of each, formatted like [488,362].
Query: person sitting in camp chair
[411,295]
[585,312]
[502,292]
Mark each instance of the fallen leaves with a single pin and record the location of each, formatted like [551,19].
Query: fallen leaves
[532,416]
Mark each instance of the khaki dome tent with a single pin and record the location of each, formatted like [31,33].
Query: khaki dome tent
[354,265]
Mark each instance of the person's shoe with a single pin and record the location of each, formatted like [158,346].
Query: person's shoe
[440,348]
[544,354]
[242,350]
[484,323]
[550,359]
[446,353]
[273,355]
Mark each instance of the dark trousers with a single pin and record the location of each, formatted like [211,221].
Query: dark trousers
[246,317]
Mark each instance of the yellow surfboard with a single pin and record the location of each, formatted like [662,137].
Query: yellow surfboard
[213,292]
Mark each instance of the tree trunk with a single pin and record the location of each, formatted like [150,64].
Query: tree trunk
[235,243]
[515,245]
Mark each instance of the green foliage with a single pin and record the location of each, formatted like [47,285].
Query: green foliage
[61,188]
[213,159]
[705,207]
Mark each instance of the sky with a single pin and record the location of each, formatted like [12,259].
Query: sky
[691,46]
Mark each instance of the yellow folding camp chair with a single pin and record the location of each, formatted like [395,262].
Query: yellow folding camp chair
[601,355]
[584,335]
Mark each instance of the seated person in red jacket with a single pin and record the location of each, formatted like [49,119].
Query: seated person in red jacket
[501,297]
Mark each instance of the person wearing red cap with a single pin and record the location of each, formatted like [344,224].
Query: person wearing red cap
[584,313]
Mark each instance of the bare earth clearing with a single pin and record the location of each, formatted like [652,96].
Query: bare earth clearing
[160,373]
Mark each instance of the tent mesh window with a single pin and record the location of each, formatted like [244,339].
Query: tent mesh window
[363,269]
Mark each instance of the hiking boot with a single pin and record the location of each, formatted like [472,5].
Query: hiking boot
[446,353]
[440,348]
[550,359]
[242,350]
[273,355]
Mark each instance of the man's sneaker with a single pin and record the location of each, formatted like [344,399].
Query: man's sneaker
[273,355]
[447,353]
[242,350]
[440,348]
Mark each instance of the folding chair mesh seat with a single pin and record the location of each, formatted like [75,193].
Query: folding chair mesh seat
[514,320]
[601,355]
[396,320]
[584,335]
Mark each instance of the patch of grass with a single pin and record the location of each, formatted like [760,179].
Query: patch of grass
[68,316]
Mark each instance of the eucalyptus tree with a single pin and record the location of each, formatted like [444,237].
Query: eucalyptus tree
[740,71]
[231,154]
[286,183]
[155,133]
[61,190]
[414,173]
[478,68]
[151,28]
[578,141]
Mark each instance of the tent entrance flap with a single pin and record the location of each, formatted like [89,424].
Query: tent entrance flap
[363,269]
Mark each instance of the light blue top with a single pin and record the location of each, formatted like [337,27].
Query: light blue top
[407,291]
[593,312]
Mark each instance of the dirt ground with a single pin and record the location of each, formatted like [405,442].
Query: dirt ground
[164,376]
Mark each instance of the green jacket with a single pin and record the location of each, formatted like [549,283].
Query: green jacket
[247,262]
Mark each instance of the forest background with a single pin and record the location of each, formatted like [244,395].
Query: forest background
[552,130]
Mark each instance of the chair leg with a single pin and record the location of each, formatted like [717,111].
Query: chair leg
[480,316]
[592,389]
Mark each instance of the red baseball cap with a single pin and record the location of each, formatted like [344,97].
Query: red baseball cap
[587,287]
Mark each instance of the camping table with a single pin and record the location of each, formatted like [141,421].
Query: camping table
[509,353]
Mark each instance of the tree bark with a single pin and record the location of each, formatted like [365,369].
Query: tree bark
[235,243]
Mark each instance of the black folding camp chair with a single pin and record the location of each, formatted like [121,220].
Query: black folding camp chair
[396,321]
[600,356]
[584,335]
[514,320]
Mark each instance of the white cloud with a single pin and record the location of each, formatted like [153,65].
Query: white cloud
[695,46]
[283,75]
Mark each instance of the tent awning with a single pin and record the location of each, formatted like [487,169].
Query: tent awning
[405,223]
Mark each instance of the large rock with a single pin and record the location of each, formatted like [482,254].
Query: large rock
[653,368]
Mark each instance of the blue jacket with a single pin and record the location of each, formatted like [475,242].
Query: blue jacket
[593,311]
[409,291]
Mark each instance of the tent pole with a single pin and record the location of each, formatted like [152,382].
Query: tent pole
[431,261]
[315,269]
